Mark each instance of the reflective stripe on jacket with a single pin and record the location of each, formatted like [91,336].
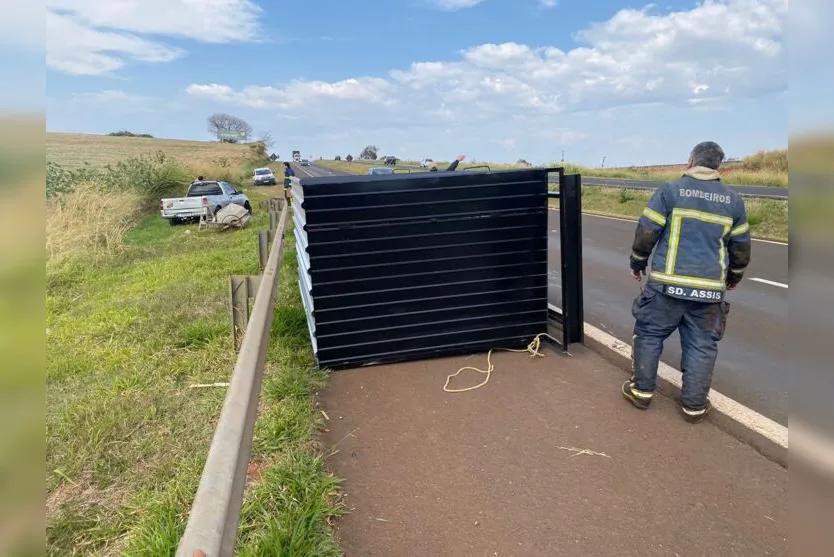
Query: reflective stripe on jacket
[698,230]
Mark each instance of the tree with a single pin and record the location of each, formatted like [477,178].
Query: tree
[267,139]
[369,153]
[522,162]
[349,158]
[220,124]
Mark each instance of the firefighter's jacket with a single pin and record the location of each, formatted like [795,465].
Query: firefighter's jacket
[698,229]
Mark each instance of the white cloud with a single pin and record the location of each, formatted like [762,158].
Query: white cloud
[297,93]
[453,5]
[92,37]
[548,3]
[75,49]
[718,49]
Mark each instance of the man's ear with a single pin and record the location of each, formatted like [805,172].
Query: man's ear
[690,163]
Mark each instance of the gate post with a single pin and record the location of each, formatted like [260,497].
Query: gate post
[570,225]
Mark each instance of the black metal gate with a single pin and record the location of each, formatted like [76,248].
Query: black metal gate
[411,266]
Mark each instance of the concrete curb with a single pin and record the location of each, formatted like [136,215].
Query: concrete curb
[763,434]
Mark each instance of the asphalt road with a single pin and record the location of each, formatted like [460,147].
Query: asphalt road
[750,191]
[753,365]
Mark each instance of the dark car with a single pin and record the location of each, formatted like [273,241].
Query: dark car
[390,161]
[338,157]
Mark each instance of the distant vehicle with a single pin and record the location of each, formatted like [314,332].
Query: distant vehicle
[305,162]
[390,161]
[338,158]
[296,156]
[425,163]
[380,170]
[263,176]
[203,198]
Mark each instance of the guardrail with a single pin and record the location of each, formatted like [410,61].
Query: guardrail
[211,530]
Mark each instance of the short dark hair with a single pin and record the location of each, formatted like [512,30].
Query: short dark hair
[707,153]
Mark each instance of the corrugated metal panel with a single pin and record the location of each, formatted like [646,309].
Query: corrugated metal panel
[419,265]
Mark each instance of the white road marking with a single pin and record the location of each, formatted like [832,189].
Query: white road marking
[749,418]
[635,220]
[770,282]
[307,172]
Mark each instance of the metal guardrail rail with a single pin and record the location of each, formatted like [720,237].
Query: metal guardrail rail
[211,530]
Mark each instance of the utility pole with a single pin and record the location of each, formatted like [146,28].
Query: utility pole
[563,156]
[603,161]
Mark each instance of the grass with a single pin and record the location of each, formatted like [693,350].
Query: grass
[768,217]
[735,175]
[136,311]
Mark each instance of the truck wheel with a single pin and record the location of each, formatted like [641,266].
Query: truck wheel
[248,207]
[173,222]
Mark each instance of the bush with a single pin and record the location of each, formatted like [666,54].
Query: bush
[125,133]
[625,195]
[150,176]
[60,180]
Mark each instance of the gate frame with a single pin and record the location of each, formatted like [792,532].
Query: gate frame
[571,318]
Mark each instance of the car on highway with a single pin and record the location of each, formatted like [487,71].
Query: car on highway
[305,162]
[338,157]
[389,160]
[263,177]
[203,198]
[425,163]
[380,170]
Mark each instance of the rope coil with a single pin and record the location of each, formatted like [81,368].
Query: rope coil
[532,349]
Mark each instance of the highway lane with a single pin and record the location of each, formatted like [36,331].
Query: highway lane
[753,366]
[313,170]
[750,191]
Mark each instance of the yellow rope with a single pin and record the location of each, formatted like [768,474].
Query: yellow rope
[532,349]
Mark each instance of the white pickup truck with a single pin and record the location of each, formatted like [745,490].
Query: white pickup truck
[203,198]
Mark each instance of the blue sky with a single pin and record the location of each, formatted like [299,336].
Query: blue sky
[494,79]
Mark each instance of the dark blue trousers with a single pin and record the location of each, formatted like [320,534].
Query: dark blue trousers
[700,325]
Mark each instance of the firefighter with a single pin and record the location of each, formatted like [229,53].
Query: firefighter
[451,167]
[288,173]
[698,230]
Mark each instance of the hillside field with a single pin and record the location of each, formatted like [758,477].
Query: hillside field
[74,150]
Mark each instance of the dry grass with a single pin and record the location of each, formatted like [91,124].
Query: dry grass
[74,150]
[762,169]
[768,218]
[768,161]
[734,175]
[90,222]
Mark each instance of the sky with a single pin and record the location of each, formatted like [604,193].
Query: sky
[497,80]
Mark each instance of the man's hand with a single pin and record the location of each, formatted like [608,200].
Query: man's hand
[731,286]
[636,275]
[461,157]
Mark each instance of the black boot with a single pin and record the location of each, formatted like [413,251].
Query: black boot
[640,399]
